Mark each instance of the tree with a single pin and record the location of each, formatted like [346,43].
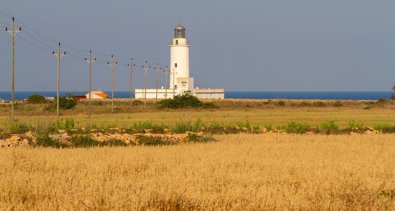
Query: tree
[393,94]
[181,101]
[36,99]
[67,102]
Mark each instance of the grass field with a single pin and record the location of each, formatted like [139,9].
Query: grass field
[229,113]
[240,172]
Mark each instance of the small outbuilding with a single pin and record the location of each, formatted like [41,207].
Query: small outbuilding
[97,95]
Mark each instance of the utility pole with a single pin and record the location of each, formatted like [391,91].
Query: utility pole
[146,68]
[112,64]
[166,70]
[59,55]
[131,65]
[90,60]
[157,69]
[13,33]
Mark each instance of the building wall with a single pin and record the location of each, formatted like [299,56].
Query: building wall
[151,94]
[199,93]
[179,54]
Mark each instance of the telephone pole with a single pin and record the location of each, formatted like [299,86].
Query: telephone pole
[112,64]
[13,33]
[146,68]
[157,69]
[131,65]
[90,60]
[166,70]
[59,55]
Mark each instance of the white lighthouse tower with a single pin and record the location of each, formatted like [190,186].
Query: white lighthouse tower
[179,61]
[180,80]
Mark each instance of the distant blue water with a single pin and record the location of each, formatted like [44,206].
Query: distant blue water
[310,95]
[242,95]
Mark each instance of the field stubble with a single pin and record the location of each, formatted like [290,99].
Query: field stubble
[240,172]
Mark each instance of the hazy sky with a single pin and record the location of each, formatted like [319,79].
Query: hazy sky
[254,45]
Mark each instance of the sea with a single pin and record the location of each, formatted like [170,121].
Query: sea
[236,94]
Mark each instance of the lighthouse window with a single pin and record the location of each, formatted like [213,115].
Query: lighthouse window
[176,42]
[175,65]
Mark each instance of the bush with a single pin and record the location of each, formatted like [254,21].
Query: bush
[269,127]
[18,127]
[142,126]
[181,102]
[137,102]
[151,141]
[329,127]
[295,127]
[382,101]
[281,103]
[66,102]
[36,99]
[63,124]
[355,125]
[385,128]
[318,104]
[338,104]
[85,141]
[182,127]
[43,140]
[195,138]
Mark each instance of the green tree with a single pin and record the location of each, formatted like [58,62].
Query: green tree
[36,99]
[181,101]
[393,94]
[66,102]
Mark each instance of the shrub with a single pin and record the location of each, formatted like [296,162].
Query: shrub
[181,102]
[281,103]
[182,127]
[43,139]
[66,102]
[329,127]
[142,126]
[18,127]
[355,125]
[318,104]
[195,138]
[137,102]
[338,104]
[385,128]
[393,94]
[295,127]
[197,125]
[382,101]
[209,106]
[36,99]
[304,104]
[151,141]
[85,141]
[244,125]
[63,124]
[268,127]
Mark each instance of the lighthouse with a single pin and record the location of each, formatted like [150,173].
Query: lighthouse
[179,78]
[179,61]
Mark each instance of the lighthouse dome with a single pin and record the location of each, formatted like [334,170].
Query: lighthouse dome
[179,31]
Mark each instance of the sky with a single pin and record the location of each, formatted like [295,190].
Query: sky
[254,45]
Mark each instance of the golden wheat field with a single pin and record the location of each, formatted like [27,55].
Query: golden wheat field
[239,172]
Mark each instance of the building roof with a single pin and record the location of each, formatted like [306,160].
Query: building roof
[180,26]
[99,93]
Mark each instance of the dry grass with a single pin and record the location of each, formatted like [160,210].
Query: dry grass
[241,172]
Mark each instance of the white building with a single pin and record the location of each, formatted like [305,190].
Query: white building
[97,95]
[180,80]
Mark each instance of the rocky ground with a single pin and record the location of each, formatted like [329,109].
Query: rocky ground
[117,136]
